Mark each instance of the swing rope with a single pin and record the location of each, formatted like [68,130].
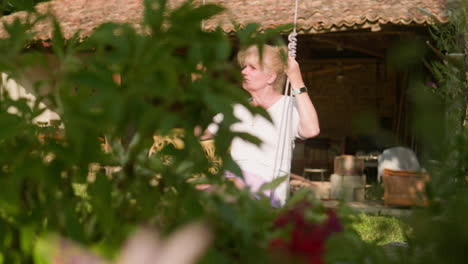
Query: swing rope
[286,114]
[203,21]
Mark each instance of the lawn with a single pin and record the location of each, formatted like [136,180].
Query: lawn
[381,229]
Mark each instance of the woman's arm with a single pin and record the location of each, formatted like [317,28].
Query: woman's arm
[211,130]
[206,135]
[308,119]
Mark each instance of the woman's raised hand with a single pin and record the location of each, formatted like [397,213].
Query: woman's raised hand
[293,71]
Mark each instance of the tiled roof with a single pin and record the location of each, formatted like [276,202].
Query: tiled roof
[314,16]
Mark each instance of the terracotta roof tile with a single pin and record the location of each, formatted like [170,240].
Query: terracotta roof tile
[314,16]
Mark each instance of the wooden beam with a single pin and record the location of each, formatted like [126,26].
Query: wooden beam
[405,30]
[335,70]
[311,64]
[351,47]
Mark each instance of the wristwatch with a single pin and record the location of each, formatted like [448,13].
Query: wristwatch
[299,91]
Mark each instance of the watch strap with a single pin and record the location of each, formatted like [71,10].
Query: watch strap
[299,91]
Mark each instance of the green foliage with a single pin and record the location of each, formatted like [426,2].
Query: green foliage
[352,245]
[439,233]
[348,247]
[51,188]
[449,71]
[407,53]
[10,6]
[57,179]
[381,229]
[438,103]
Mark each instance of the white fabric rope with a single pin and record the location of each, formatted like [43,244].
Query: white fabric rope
[286,115]
[203,21]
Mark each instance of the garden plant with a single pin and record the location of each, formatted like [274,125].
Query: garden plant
[64,197]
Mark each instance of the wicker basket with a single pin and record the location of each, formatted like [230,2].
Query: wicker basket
[404,188]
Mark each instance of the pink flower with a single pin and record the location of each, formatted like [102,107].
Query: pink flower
[186,245]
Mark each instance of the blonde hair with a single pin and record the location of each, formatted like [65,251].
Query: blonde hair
[273,59]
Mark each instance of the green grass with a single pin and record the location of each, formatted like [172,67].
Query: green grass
[381,229]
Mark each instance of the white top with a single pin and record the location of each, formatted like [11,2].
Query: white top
[260,160]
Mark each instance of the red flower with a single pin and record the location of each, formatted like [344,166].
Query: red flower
[46,44]
[307,239]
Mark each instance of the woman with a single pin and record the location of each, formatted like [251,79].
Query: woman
[264,80]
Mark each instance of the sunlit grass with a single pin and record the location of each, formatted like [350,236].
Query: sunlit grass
[381,229]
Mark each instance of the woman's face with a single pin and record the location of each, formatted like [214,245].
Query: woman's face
[254,76]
